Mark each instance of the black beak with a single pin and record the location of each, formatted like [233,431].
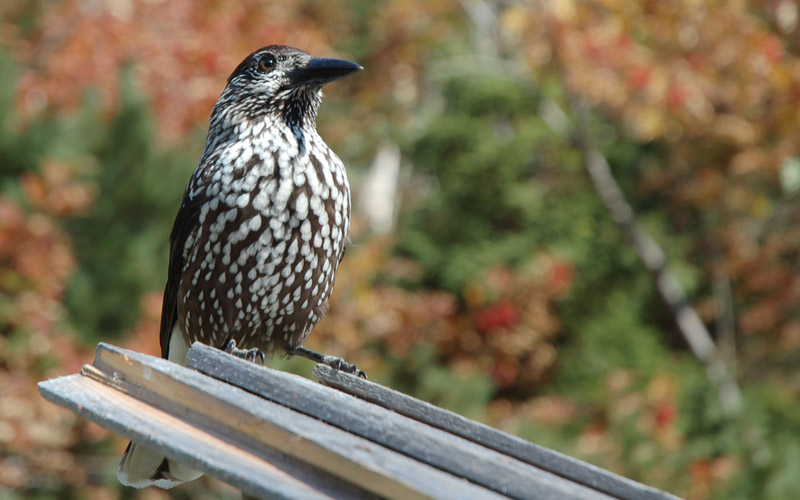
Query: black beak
[323,70]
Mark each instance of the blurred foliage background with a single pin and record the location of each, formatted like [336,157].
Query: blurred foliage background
[485,274]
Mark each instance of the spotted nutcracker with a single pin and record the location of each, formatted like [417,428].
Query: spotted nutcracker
[261,229]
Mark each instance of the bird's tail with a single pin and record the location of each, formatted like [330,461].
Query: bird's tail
[141,467]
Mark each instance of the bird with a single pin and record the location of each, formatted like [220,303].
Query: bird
[260,231]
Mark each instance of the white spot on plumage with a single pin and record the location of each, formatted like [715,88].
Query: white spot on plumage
[328,182]
[305,230]
[313,182]
[276,227]
[261,200]
[255,223]
[284,191]
[316,205]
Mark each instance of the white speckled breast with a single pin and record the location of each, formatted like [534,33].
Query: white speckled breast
[275,213]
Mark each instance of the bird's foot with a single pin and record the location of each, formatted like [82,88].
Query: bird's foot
[334,362]
[343,366]
[246,354]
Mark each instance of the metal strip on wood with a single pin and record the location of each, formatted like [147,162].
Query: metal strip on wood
[564,466]
[496,471]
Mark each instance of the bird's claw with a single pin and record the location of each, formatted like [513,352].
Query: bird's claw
[343,366]
[334,362]
[246,354]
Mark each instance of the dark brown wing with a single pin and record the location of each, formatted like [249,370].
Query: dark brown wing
[185,223]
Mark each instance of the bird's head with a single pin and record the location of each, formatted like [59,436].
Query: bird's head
[280,80]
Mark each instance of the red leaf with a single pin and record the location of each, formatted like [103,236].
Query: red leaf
[500,315]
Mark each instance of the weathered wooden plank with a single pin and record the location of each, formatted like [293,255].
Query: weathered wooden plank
[241,416]
[454,454]
[567,467]
[265,475]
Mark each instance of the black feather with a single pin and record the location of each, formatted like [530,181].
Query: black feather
[185,223]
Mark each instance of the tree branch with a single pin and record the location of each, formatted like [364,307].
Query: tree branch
[654,259]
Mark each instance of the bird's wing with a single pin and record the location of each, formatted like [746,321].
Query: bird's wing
[185,224]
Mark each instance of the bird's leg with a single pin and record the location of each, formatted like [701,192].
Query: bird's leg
[332,361]
[247,354]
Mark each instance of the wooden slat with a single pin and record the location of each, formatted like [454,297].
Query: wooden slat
[265,475]
[243,417]
[567,467]
[454,454]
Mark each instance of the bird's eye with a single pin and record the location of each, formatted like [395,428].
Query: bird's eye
[266,63]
